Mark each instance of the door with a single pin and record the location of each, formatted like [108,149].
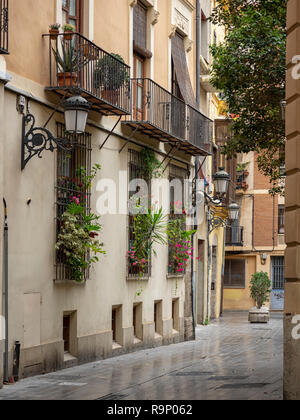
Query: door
[278,283]
[139,89]
[72,13]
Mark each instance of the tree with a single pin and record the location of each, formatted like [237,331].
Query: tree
[249,70]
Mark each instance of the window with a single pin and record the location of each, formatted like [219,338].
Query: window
[204,38]
[235,273]
[72,13]
[69,184]
[136,172]
[277,274]
[137,322]
[66,333]
[70,334]
[281,219]
[177,177]
[138,88]
[116,326]
[175,314]
[158,318]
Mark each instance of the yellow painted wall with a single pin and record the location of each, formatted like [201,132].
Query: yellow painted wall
[239,299]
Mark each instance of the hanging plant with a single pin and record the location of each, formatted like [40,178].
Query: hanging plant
[180,246]
[78,234]
[151,166]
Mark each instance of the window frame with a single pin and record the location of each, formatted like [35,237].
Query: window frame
[281,219]
[230,286]
[79,14]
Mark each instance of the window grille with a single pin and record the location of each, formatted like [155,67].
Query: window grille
[180,174]
[136,171]
[3,26]
[69,184]
[235,273]
[277,264]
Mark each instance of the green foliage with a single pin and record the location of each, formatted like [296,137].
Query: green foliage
[249,69]
[79,230]
[149,229]
[180,243]
[54,26]
[260,288]
[69,28]
[242,166]
[110,73]
[151,165]
[67,60]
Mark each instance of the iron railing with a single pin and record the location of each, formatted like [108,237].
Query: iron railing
[234,236]
[3,26]
[166,117]
[76,63]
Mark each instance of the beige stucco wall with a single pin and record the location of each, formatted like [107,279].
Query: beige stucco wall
[33,293]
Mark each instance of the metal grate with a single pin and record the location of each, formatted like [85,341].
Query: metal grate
[181,174]
[136,171]
[69,183]
[234,236]
[3,26]
[278,281]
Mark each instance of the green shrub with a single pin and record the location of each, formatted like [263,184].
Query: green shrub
[260,287]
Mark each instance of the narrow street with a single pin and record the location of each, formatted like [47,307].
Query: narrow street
[230,359]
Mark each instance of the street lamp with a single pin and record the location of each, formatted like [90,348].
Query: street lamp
[221,182]
[76,113]
[234,212]
[37,139]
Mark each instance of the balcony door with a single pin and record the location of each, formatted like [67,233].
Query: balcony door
[139,98]
[72,13]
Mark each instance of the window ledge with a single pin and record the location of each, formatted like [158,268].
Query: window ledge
[70,283]
[235,287]
[138,278]
[175,276]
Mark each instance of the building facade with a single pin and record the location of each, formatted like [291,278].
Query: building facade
[292,271]
[135,62]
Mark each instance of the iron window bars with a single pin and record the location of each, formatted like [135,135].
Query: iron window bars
[162,115]
[100,77]
[234,235]
[69,183]
[181,174]
[136,172]
[3,26]
[278,281]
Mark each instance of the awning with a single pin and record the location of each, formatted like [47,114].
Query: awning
[182,71]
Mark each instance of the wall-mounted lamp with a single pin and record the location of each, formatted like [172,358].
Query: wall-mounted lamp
[283,109]
[37,139]
[263,259]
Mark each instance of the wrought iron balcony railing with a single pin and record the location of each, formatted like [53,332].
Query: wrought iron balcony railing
[78,64]
[159,114]
[3,26]
[234,236]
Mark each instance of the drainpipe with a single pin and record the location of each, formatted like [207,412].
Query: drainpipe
[6,376]
[197,164]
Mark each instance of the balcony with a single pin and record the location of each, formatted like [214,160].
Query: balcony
[234,236]
[3,26]
[161,115]
[77,64]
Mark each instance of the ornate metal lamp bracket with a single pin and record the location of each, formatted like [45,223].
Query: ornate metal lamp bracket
[37,139]
[216,222]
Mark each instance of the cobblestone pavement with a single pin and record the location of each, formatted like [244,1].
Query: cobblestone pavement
[230,359]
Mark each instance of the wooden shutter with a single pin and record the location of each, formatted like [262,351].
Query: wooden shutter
[235,273]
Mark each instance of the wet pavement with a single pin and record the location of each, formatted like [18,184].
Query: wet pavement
[230,360]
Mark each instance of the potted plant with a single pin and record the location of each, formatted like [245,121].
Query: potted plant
[68,31]
[109,75]
[67,63]
[260,288]
[54,30]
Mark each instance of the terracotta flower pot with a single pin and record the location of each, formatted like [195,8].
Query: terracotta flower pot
[53,34]
[246,173]
[68,35]
[66,79]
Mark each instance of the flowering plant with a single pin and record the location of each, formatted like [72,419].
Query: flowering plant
[180,246]
[79,229]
